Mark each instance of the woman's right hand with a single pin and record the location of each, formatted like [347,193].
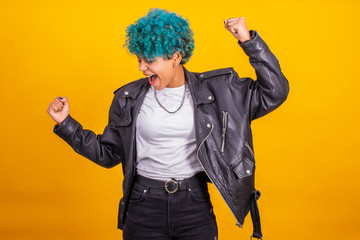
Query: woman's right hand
[59,109]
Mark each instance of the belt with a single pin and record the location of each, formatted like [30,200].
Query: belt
[199,180]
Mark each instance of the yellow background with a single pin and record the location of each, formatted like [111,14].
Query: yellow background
[306,151]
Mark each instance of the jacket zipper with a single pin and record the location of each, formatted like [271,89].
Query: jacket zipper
[197,155]
[251,151]
[224,128]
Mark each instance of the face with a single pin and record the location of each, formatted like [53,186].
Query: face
[161,73]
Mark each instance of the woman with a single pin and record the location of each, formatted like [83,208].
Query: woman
[175,130]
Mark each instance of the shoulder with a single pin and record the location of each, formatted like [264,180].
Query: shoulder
[125,92]
[217,73]
[130,87]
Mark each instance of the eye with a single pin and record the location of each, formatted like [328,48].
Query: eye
[139,59]
[149,61]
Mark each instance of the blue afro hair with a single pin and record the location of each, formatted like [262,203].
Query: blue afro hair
[160,33]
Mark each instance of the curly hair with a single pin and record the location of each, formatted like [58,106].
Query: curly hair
[160,33]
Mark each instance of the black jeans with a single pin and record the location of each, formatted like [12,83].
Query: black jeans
[156,214]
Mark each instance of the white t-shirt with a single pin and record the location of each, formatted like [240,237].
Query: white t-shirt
[165,142]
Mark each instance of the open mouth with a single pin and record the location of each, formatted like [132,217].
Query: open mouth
[152,79]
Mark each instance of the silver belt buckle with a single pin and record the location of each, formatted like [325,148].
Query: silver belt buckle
[171,186]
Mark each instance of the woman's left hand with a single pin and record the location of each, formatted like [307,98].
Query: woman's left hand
[238,28]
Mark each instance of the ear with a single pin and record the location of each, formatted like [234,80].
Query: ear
[177,57]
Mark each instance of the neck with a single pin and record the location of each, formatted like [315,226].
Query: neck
[179,77]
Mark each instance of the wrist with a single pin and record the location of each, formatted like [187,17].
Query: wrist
[245,38]
[59,122]
[252,34]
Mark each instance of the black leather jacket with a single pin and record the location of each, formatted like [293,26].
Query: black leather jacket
[224,106]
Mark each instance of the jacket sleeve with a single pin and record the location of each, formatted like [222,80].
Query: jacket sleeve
[103,149]
[271,88]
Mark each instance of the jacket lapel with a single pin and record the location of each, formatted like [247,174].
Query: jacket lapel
[199,91]
[201,96]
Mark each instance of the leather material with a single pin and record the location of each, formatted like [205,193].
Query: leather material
[199,180]
[228,159]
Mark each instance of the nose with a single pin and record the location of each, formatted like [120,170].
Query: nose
[142,65]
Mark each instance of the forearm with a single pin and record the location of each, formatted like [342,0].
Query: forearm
[101,149]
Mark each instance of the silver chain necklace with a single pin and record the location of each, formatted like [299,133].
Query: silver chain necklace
[182,101]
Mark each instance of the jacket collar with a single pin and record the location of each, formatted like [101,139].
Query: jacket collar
[136,88]
[199,91]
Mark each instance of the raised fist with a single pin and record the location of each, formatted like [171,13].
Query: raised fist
[59,109]
[238,28]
